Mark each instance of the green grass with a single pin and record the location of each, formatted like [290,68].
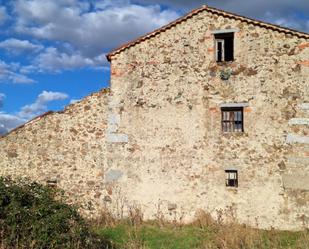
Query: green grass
[119,234]
[285,239]
[177,238]
[152,235]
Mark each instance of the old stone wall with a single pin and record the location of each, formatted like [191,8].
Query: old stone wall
[64,149]
[170,154]
[154,143]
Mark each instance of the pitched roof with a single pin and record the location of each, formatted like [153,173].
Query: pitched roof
[213,11]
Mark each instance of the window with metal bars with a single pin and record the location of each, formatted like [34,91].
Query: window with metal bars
[232,119]
[231,178]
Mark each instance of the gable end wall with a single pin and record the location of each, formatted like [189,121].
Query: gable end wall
[169,92]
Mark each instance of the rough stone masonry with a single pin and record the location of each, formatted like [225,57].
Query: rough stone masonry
[155,141]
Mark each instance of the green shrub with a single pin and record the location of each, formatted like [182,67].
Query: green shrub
[35,216]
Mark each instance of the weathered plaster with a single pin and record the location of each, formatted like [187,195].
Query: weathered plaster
[299,121]
[300,182]
[291,138]
[304,106]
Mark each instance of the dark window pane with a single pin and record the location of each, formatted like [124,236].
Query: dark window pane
[229,49]
[231,178]
[225,51]
[219,51]
[232,119]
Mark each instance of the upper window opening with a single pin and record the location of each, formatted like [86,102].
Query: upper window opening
[224,47]
[232,119]
[231,178]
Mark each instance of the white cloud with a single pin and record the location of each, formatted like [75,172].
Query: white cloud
[91,32]
[80,33]
[53,60]
[19,78]
[27,69]
[13,45]
[72,101]
[40,105]
[9,122]
[3,15]
[10,73]
[250,7]
[103,4]
[295,12]
[2,97]
[27,112]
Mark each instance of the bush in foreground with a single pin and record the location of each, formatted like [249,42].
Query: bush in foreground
[34,216]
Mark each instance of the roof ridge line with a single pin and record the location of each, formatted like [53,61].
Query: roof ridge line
[197,11]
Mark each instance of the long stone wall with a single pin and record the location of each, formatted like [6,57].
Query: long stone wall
[64,149]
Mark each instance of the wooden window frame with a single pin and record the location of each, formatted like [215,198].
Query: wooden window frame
[231,178]
[229,123]
[222,50]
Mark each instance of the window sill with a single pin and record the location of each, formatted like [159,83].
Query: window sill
[224,63]
[234,134]
[232,189]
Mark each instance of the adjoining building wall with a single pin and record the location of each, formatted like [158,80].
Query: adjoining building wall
[63,149]
[171,155]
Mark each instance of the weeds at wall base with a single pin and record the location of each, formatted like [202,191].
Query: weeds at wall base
[203,233]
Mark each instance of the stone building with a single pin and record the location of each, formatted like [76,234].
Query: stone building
[210,112]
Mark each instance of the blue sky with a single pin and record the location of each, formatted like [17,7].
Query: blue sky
[52,52]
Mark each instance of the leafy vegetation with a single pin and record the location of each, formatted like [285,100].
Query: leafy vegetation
[35,216]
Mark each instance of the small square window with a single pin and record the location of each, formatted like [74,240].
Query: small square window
[231,178]
[52,183]
[232,119]
[224,47]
